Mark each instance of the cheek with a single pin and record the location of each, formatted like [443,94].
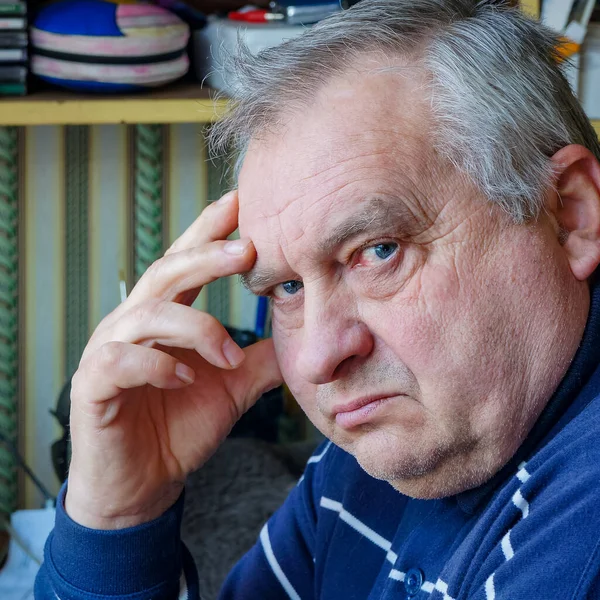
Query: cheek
[457,332]
[287,344]
[417,323]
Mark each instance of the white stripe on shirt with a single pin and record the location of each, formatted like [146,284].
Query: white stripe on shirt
[183,589]
[318,457]
[357,525]
[279,574]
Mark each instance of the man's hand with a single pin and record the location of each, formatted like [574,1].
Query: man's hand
[160,384]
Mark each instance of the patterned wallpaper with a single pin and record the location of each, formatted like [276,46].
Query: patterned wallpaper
[78,207]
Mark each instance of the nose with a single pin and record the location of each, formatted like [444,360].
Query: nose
[332,336]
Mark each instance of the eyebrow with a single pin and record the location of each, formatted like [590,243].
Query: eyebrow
[258,280]
[378,214]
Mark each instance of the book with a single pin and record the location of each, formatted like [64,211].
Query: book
[13,8]
[9,55]
[14,74]
[13,89]
[13,39]
[13,23]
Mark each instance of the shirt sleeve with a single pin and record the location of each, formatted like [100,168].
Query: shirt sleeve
[138,563]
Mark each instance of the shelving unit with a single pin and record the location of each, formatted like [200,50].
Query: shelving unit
[183,103]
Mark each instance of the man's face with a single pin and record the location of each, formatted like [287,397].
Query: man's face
[414,323]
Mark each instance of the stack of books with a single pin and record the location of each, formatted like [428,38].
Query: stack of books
[13,47]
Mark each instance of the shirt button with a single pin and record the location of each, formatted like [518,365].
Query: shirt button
[413,581]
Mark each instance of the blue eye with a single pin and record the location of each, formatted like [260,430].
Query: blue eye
[291,287]
[385,250]
[377,254]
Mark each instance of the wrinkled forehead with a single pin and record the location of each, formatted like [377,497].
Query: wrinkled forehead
[357,136]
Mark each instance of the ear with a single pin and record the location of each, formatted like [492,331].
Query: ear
[576,207]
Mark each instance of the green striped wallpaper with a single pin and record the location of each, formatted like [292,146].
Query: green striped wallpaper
[10,235]
[95,204]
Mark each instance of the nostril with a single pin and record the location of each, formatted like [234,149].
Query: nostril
[342,368]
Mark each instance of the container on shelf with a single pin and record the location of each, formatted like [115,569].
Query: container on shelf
[220,38]
[108,46]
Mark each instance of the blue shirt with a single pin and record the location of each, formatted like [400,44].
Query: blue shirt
[530,533]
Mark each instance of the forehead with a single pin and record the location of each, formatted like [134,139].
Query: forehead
[365,134]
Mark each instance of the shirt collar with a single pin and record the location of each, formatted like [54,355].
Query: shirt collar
[584,363]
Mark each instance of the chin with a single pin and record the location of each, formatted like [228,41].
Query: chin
[417,468]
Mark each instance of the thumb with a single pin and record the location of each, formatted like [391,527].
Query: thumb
[258,374]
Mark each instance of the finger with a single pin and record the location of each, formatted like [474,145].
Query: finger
[116,366]
[217,221]
[178,326]
[174,275]
[169,277]
[258,374]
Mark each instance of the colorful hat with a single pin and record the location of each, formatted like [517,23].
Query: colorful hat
[98,45]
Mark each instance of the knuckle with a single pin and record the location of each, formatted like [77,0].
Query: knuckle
[110,355]
[158,267]
[149,309]
[185,258]
[192,267]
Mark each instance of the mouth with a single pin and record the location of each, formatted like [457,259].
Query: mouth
[360,411]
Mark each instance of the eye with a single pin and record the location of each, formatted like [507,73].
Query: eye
[291,287]
[384,251]
[288,288]
[377,253]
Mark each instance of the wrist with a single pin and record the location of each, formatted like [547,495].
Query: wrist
[108,514]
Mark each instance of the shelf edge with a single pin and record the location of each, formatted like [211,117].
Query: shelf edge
[531,7]
[24,112]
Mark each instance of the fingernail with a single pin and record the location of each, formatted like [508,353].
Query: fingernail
[226,198]
[233,353]
[236,247]
[184,373]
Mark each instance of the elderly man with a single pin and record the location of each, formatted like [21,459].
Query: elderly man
[419,196]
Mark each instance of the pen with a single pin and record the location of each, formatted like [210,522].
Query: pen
[255,16]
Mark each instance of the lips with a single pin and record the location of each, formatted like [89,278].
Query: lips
[359,411]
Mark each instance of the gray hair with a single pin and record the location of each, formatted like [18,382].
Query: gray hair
[501,104]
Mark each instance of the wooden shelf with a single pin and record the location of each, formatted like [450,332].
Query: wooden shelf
[531,7]
[182,103]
